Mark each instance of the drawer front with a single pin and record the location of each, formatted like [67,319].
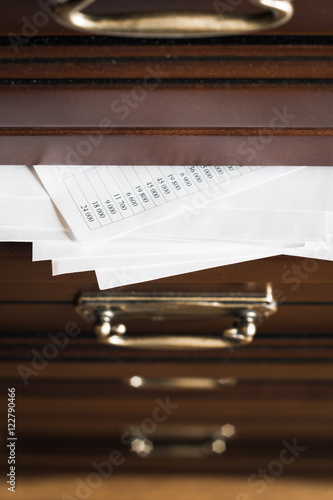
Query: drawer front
[77,82]
[103,416]
[36,308]
[73,397]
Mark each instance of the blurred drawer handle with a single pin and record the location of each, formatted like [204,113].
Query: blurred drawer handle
[183,446]
[173,24]
[196,383]
[105,308]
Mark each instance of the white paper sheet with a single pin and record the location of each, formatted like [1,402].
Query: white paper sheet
[111,278]
[211,224]
[26,234]
[147,258]
[312,250]
[255,214]
[306,189]
[133,245]
[30,213]
[99,202]
[73,250]
[290,224]
[21,181]
[330,227]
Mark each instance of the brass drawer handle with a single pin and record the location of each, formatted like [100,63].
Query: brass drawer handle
[184,446]
[173,24]
[241,334]
[181,383]
[105,308]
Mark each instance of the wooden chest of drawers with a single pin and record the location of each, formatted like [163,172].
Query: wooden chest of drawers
[211,101]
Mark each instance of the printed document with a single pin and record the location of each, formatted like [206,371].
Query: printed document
[99,202]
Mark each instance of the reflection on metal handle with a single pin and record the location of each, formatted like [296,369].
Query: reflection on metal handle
[173,24]
[241,334]
[173,447]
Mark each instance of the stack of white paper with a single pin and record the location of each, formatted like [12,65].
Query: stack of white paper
[132,224]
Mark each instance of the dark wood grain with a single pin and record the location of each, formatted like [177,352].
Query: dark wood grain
[208,100]
[219,61]
[260,390]
[162,149]
[213,107]
[205,367]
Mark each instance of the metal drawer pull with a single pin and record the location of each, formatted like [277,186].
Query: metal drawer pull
[241,334]
[173,24]
[248,310]
[183,446]
[197,383]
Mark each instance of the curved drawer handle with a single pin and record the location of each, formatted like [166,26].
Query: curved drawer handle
[182,383]
[110,308]
[173,24]
[172,447]
[240,334]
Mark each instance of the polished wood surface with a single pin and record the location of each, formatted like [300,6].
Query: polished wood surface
[148,487]
[190,102]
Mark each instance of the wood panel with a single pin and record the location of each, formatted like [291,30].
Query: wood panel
[187,61]
[192,413]
[177,108]
[113,388]
[256,431]
[173,124]
[56,93]
[152,148]
[148,486]
[206,367]
[32,321]
[67,292]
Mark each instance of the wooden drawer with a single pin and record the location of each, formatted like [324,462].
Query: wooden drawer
[208,99]
[284,378]
[83,421]
[294,343]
